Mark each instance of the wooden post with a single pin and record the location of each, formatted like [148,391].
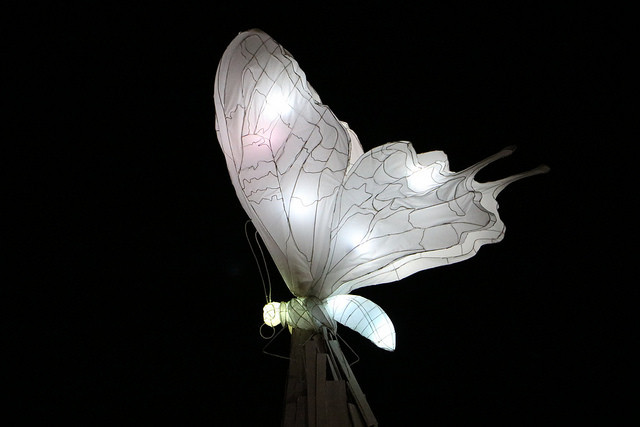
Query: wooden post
[321,388]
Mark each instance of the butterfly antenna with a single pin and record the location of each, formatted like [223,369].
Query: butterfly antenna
[267,294]
[266,268]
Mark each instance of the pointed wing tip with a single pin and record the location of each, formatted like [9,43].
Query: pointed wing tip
[541,169]
[390,347]
[388,343]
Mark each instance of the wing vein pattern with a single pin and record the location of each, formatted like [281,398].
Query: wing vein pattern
[334,218]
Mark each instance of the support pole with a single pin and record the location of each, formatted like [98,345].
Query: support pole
[321,388]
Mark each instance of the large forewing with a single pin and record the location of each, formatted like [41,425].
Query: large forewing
[287,153]
[335,219]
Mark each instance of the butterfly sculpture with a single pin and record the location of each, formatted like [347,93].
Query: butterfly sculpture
[334,218]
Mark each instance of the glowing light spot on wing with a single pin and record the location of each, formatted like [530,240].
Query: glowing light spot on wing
[276,105]
[421,180]
[277,113]
[300,211]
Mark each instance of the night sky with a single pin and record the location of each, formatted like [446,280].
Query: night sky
[137,299]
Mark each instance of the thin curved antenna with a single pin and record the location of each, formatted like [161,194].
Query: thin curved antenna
[264,262]
[263,336]
[267,294]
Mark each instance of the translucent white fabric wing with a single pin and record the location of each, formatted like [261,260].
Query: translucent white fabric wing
[287,154]
[335,219]
[399,212]
[365,317]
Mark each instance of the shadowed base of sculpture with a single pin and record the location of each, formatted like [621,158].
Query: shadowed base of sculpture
[321,388]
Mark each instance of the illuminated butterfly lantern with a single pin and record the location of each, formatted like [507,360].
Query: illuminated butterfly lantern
[334,218]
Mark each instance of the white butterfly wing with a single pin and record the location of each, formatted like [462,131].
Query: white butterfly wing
[365,317]
[399,213]
[287,154]
[335,219]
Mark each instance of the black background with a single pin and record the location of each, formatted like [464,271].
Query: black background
[137,299]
